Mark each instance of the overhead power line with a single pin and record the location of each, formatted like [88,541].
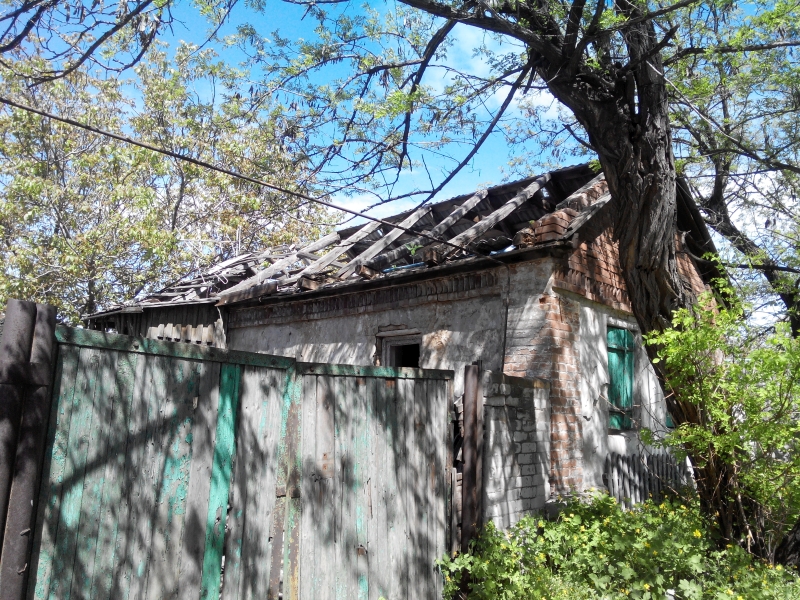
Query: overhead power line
[229,172]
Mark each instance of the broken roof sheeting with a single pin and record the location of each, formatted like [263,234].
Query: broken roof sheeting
[294,268]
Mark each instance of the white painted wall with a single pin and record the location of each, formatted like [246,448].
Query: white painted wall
[650,411]
[454,333]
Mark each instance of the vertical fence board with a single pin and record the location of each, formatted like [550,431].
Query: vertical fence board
[106,402]
[173,478]
[294,470]
[72,493]
[203,437]
[53,472]
[310,519]
[328,485]
[381,437]
[266,387]
[362,450]
[138,433]
[346,578]
[439,404]
[114,508]
[224,448]
[144,495]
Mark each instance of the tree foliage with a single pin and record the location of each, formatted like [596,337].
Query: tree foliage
[86,221]
[66,35]
[744,388]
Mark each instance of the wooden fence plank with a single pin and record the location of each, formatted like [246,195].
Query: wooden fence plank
[203,437]
[139,431]
[263,464]
[310,521]
[406,391]
[380,436]
[144,497]
[53,472]
[361,407]
[294,468]
[328,488]
[114,511]
[249,409]
[72,493]
[172,479]
[346,581]
[439,402]
[105,403]
[224,447]
[397,509]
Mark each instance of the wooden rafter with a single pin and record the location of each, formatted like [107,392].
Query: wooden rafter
[440,229]
[328,259]
[382,243]
[484,225]
[254,283]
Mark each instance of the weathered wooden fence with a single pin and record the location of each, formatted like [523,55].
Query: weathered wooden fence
[176,470]
[632,479]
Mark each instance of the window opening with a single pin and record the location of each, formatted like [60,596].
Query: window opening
[620,373]
[400,350]
[406,355]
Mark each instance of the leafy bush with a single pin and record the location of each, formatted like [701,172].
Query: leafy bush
[598,550]
[739,419]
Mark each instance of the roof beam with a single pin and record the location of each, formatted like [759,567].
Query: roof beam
[383,243]
[236,292]
[447,223]
[484,225]
[326,260]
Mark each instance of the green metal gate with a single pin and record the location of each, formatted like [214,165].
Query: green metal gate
[174,470]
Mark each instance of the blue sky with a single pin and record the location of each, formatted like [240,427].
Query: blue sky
[485,169]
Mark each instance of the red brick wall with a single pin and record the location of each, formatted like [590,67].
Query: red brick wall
[551,353]
[591,270]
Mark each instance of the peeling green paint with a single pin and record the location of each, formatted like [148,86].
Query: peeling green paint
[224,450]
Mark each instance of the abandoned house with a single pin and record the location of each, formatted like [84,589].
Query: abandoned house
[535,298]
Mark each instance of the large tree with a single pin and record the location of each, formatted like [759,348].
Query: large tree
[620,71]
[86,221]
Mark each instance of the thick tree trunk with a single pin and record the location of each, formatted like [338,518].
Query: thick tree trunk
[632,137]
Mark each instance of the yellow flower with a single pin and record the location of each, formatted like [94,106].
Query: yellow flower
[778,567]
[697,533]
[646,586]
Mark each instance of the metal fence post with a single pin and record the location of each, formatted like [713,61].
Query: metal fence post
[21,515]
[15,355]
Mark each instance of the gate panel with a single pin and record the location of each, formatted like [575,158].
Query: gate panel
[374,524]
[166,461]
[248,549]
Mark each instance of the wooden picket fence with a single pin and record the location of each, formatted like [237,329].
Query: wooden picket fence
[632,479]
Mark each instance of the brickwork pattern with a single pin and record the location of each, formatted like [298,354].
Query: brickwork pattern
[550,352]
[445,289]
[515,449]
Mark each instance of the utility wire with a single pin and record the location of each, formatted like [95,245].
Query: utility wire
[206,165]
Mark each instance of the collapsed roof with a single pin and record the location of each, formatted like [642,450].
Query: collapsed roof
[493,222]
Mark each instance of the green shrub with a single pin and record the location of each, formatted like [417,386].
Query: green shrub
[597,550]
